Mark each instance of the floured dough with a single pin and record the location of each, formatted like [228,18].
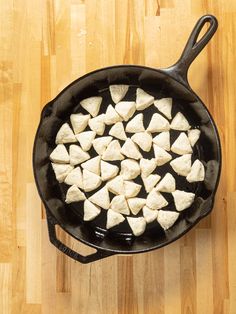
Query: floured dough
[91,181]
[147,166]
[163,140]
[180,123]
[130,169]
[79,122]
[112,116]
[61,171]
[74,195]
[137,225]
[77,155]
[136,204]
[197,172]
[150,181]
[119,205]
[182,145]
[130,149]
[118,131]
[118,92]
[100,144]
[161,156]
[149,214]
[108,170]
[167,218]
[60,155]
[164,105]
[167,184]
[136,124]
[93,165]
[113,218]
[155,200]
[97,124]
[182,165]
[143,140]
[113,152]
[91,211]
[85,139]
[116,185]
[131,189]
[158,124]
[75,178]
[101,198]
[125,109]
[92,105]
[193,136]
[65,135]
[143,99]
[183,199]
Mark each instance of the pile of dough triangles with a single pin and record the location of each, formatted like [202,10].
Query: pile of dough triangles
[100,156]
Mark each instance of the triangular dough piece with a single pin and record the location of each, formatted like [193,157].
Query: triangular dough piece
[125,109]
[61,171]
[136,204]
[92,105]
[118,92]
[182,165]
[161,156]
[116,185]
[143,99]
[113,152]
[91,211]
[197,172]
[75,178]
[130,149]
[158,124]
[97,124]
[118,131]
[91,181]
[93,165]
[181,145]
[77,155]
[136,124]
[167,218]
[79,122]
[65,135]
[101,198]
[130,169]
[111,116]
[150,181]
[179,123]
[113,218]
[149,214]
[100,144]
[74,195]
[119,205]
[137,225]
[164,105]
[147,166]
[143,140]
[163,140]
[155,200]
[108,170]
[167,184]
[183,199]
[85,139]
[193,136]
[60,155]
[131,188]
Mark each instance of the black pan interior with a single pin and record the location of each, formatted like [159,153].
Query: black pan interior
[159,85]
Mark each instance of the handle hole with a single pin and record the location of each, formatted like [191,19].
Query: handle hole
[202,33]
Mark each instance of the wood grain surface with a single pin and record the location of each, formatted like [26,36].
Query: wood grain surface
[46,44]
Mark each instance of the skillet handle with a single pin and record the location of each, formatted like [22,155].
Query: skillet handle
[66,250]
[193,47]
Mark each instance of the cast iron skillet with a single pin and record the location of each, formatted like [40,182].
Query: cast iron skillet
[170,82]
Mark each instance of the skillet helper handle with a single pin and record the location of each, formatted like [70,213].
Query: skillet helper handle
[68,251]
[193,47]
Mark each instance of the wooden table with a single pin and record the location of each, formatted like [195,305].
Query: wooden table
[46,44]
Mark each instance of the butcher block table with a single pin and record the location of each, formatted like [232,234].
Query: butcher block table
[45,45]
